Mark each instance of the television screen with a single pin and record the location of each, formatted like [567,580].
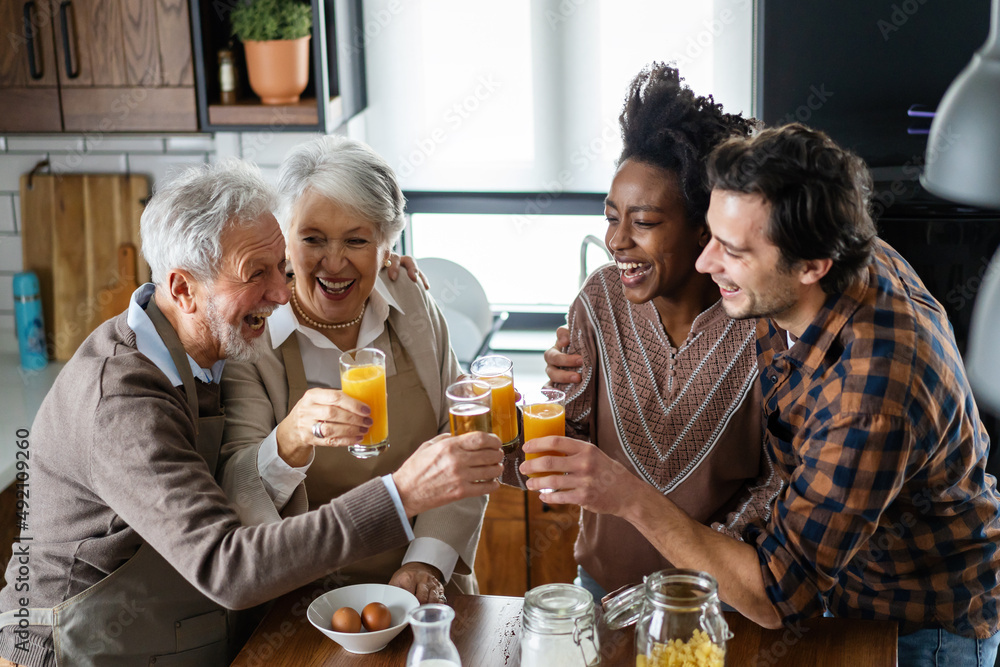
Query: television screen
[868,72]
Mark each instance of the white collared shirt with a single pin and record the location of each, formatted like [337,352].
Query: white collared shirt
[148,341]
[320,360]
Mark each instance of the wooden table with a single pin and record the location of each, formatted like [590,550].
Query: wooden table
[487,630]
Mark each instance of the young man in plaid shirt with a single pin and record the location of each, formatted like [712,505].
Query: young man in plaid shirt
[887,512]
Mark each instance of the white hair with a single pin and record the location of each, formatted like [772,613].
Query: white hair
[183,223]
[349,173]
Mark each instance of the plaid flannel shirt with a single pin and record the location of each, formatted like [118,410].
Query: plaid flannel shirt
[888,511]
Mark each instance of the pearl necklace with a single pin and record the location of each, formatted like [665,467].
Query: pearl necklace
[318,325]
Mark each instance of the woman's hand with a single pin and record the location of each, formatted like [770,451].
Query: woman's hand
[584,475]
[408,263]
[421,579]
[558,364]
[449,468]
[342,421]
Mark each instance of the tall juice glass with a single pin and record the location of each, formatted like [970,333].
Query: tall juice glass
[544,415]
[498,372]
[469,407]
[362,376]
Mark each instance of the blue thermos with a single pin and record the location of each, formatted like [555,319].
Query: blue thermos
[29,322]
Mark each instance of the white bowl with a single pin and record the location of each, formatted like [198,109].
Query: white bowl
[399,602]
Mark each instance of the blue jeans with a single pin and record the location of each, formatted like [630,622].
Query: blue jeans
[939,648]
[586,581]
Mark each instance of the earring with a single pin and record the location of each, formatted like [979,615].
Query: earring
[388,263]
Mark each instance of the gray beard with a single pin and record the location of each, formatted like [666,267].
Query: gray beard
[234,346]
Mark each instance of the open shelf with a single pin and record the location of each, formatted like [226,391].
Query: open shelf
[337,75]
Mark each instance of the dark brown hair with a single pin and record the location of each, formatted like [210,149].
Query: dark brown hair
[666,125]
[819,195]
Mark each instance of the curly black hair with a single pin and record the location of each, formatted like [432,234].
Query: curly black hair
[665,124]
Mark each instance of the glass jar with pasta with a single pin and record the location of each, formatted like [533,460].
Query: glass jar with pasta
[681,622]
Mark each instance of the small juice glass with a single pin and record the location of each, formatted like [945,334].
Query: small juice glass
[362,376]
[498,372]
[544,415]
[469,407]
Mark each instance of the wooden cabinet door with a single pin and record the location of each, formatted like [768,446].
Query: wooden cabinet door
[552,531]
[125,65]
[29,92]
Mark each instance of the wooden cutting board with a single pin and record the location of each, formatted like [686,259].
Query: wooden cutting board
[116,298]
[72,228]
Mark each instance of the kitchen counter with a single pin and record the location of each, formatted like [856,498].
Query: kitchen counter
[21,394]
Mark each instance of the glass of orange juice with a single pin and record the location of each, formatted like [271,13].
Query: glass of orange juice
[544,415]
[469,407]
[362,376]
[498,372]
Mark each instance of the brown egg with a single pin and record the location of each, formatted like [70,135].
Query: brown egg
[346,619]
[376,616]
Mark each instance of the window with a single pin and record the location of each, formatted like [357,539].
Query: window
[521,260]
[523,96]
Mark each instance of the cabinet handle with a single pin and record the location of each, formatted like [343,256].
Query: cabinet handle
[64,7]
[29,35]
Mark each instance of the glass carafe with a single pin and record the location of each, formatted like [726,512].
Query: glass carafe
[432,645]
[681,621]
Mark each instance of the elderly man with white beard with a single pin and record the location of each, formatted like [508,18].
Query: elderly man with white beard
[135,551]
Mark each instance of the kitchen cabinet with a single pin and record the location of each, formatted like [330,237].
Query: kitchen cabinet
[97,66]
[29,85]
[336,89]
[525,543]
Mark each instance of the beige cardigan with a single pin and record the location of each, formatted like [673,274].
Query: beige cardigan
[255,397]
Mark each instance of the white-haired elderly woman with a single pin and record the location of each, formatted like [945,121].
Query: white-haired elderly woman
[342,212]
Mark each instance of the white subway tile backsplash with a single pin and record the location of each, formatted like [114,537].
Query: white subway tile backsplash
[3,143]
[13,165]
[227,144]
[270,174]
[82,162]
[108,143]
[267,147]
[69,142]
[196,143]
[6,323]
[161,167]
[11,258]
[6,292]
[7,222]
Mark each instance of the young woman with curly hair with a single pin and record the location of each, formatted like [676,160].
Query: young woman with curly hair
[664,393]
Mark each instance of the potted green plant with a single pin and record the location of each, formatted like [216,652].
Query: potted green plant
[275,36]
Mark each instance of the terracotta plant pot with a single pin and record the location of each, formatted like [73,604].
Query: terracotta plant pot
[278,69]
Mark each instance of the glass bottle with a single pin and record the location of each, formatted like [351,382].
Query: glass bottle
[432,645]
[558,627]
[681,618]
[227,77]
